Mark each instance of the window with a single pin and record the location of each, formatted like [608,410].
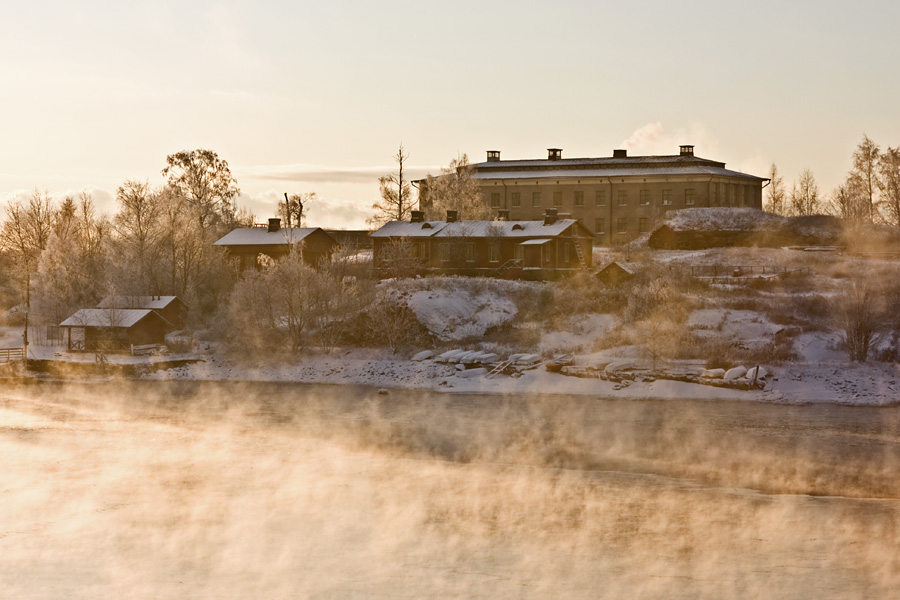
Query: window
[579,198]
[714,201]
[599,225]
[495,199]
[666,197]
[494,251]
[622,225]
[557,198]
[516,199]
[689,197]
[644,225]
[645,197]
[600,198]
[566,253]
[422,250]
[623,197]
[470,252]
[444,250]
[520,252]
[536,199]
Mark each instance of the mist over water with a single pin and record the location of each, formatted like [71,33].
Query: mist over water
[211,490]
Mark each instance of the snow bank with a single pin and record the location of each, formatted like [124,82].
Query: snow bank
[460,314]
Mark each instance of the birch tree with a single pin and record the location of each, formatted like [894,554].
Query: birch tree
[775,195]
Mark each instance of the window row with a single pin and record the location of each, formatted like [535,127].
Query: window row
[645,198]
[621,225]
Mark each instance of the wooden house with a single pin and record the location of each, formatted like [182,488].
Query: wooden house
[110,329]
[535,250]
[246,244]
[616,272]
[170,308]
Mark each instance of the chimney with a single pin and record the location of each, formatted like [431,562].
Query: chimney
[550,216]
[274,225]
[554,153]
[417,216]
[620,153]
[686,150]
[452,216]
[493,156]
[503,214]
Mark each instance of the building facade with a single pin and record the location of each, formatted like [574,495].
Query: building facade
[544,249]
[617,198]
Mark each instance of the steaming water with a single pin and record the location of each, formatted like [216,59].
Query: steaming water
[206,490]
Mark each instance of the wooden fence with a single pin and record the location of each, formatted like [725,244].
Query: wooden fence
[725,273]
[11,354]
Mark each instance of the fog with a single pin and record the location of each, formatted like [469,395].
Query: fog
[210,490]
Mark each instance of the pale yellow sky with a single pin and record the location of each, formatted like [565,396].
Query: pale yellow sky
[315,98]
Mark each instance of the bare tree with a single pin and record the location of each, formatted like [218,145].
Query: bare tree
[889,184]
[865,166]
[454,189]
[26,232]
[859,315]
[804,195]
[775,196]
[138,225]
[848,201]
[291,209]
[205,181]
[396,194]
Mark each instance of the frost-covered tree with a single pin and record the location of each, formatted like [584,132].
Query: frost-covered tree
[25,234]
[291,209]
[454,189]
[848,201]
[396,194]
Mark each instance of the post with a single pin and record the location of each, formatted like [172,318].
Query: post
[25,343]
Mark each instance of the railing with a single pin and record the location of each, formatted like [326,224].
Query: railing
[731,271]
[11,354]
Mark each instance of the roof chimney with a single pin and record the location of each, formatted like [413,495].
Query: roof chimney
[550,216]
[493,156]
[554,153]
[503,214]
[620,153]
[417,216]
[274,225]
[687,150]
[452,216]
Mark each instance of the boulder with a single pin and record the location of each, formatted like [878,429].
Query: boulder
[735,373]
[423,355]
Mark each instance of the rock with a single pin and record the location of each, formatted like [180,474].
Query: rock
[383,392]
[735,373]
[756,373]
[472,372]
[423,355]
[713,373]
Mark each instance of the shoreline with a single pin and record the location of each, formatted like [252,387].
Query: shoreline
[799,383]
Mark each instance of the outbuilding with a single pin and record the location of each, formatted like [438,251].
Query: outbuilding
[105,329]
[246,244]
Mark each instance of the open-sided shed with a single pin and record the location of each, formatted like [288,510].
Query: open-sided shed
[115,328]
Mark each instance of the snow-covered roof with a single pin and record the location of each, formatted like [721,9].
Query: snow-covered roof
[537,242]
[106,317]
[151,302]
[261,236]
[474,229]
[630,268]
[496,174]
[722,219]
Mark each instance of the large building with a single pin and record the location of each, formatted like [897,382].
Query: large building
[619,197]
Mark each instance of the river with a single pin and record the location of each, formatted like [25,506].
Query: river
[232,490]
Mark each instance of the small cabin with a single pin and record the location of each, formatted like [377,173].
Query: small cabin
[246,244]
[170,308]
[615,273]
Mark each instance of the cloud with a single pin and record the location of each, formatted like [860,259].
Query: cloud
[318,174]
[654,139]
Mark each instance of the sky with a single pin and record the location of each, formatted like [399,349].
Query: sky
[317,96]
